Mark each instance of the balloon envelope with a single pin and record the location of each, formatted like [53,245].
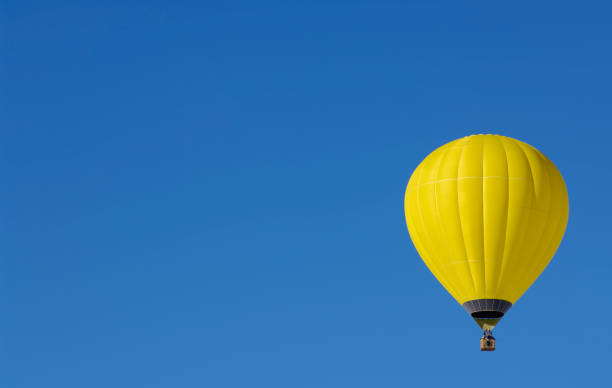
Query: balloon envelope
[486,214]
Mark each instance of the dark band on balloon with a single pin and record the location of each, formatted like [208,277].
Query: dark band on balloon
[487,308]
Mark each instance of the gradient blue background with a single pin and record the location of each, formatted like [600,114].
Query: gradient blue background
[210,194]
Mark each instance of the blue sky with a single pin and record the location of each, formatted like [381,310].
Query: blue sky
[210,194]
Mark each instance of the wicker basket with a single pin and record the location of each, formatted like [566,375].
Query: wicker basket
[487,344]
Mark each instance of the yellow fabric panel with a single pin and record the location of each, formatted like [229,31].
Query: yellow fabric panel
[470,206]
[486,213]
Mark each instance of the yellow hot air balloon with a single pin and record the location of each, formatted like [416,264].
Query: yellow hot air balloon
[486,213]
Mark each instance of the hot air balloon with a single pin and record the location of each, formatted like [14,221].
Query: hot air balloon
[486,214]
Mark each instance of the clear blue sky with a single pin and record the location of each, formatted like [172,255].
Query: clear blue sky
[210,194]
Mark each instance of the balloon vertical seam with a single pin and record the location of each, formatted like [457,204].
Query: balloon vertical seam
[469,268]
[504,252]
